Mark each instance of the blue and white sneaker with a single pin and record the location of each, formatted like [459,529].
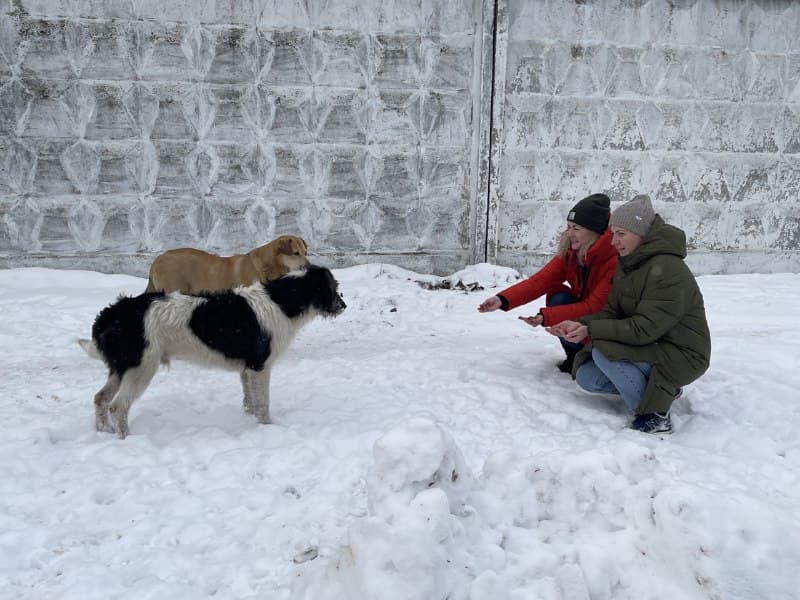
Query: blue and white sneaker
[652,423]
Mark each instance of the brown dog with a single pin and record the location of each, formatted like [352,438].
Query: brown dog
[191,271]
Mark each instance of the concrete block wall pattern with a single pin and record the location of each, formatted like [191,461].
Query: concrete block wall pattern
[425,133]
[696,103]
[129,128]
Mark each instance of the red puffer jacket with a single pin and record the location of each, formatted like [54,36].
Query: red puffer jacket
[591,289]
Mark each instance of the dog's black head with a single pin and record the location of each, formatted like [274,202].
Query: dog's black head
[298,292]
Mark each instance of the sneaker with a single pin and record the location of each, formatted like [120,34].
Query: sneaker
[652,423]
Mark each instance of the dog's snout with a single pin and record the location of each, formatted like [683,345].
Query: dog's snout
[340,305]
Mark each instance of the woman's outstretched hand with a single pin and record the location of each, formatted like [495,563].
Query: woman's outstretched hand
[533,321]
[490,304]
[572,331]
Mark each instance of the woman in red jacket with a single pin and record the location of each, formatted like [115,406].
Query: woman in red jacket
[577,279]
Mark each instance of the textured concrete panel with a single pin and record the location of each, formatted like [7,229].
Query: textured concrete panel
[127,128]
[429,133]
[694,103]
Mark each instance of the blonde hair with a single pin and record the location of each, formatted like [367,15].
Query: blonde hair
[564,245]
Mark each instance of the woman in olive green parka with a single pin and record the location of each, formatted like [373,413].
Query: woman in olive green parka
[651,337]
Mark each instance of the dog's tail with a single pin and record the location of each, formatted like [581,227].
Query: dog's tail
[90,348]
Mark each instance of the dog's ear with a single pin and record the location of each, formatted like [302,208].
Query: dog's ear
[285,245]
[292,245]
[299,246]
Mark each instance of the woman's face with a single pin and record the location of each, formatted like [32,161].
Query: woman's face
[624,241]
[580,237]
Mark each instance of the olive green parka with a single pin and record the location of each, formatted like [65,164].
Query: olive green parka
[654,313]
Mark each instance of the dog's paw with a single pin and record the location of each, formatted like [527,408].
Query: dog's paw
[118,421]
[104,428]
[101,423]
[262,416]
[121,429]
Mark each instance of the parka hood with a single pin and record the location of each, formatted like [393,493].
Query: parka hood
[660,239]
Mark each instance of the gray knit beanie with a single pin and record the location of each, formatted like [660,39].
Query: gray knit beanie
[635,215]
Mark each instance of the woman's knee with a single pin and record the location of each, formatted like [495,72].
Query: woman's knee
[582,376]
[589,377]
[598,356]
[609,366]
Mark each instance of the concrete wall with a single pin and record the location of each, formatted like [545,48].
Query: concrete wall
[127,128]
[695,102]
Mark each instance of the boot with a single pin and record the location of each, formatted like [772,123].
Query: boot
[565,366]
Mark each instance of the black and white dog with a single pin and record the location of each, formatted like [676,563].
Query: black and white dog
[243,330]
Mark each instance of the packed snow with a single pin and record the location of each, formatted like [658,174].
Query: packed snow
[420,451]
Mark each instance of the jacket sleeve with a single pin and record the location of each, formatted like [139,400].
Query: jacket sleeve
[550,277]
[663,302]
[593,300]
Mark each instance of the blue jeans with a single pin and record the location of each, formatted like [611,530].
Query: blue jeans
[559,299]
[619,377]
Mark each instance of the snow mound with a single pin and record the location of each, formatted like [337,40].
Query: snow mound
[421,539]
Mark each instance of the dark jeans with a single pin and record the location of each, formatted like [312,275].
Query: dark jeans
[559,299]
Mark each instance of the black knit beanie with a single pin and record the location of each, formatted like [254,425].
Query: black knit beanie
[592,213]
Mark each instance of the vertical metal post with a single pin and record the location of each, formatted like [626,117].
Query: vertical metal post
[492,94]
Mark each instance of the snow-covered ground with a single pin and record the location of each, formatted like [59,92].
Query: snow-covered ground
[421,451]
